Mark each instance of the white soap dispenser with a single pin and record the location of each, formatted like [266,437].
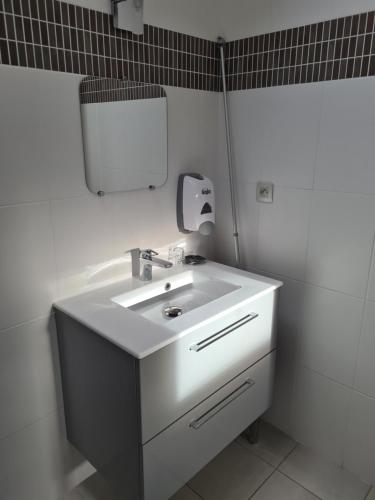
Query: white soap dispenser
[195,204]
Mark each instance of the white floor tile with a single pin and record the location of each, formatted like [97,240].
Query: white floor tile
[360,444]
[185,493]
[234,474]
[279,487]
[96,488]
[323,478]
[273,445]
[74,495]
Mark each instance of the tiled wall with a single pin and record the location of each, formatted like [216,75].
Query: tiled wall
[95,90]
[315,142]
[57,36]
[58,239]
[330,50]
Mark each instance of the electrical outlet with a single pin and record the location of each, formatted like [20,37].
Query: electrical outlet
[265,192]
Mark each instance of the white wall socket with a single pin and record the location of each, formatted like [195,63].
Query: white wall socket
[265,192]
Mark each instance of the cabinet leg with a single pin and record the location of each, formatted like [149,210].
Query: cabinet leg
[252,432]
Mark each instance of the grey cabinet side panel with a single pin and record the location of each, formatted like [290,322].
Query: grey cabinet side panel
[101,400]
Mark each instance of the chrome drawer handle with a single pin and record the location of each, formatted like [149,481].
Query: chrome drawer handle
[197,423]
[222,333]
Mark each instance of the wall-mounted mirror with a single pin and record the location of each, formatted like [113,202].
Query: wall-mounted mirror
[124,128]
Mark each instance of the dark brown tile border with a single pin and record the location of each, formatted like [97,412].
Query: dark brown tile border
[330,50]
[58,36]
[99,90]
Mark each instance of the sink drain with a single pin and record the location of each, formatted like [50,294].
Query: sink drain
[172,311]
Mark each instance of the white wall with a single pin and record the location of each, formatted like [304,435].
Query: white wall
[243,18]
[195,17]
[316,143]
[58,239]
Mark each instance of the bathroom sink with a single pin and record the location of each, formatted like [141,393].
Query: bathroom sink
[131,313]
[182,292]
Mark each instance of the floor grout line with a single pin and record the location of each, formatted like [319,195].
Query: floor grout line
[299,484]
[368,493]
[195,492]
[262,484]
[287,456]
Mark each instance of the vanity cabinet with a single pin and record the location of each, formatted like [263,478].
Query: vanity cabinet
[149,425]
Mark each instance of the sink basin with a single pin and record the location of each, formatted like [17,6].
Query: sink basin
[186,291]
[130,313]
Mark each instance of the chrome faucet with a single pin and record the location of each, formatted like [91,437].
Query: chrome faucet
[143,261]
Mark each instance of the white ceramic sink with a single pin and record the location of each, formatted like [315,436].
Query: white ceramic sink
[186,291]
[129,313]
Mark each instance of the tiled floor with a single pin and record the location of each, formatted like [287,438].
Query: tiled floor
[274,469]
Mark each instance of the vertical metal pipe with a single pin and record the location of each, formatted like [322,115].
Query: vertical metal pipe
[232,184]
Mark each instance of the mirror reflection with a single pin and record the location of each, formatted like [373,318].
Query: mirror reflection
[124,128]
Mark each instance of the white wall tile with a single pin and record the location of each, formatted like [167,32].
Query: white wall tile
[243,18]
[275,132]
[249,124]
[38,463]
[281,413]
[332,324]
[248,216]
[345,159]
[292,115]
[347,8]
[321,414]
[194,17]
[360,444]
[365,376]
[289,330]
[83,237]
[341,237]
[290,318]
[291,13]
[29,381]
[282,233]
[26,263]
[323,478]
[40,136]
[371,284]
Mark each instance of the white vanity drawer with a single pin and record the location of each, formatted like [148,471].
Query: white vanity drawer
[177,454]
[176,378]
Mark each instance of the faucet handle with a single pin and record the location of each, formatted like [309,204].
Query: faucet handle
[149,252]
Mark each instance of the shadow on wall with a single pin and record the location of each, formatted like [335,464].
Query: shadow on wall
[72,467]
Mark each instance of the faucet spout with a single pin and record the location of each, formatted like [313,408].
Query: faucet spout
[143,262]
[155,261]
